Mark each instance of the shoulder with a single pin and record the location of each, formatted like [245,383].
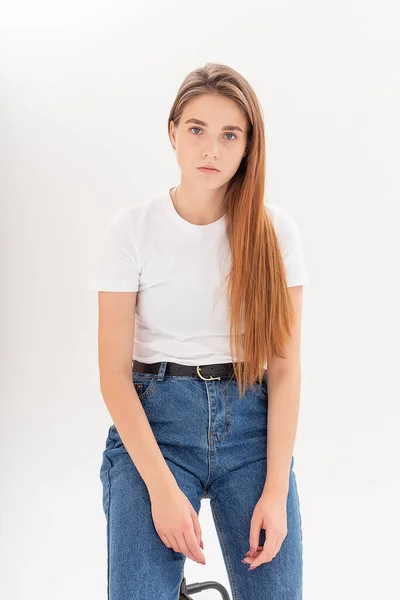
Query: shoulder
[283,222]
[286,229]
[132,217]
[290,243]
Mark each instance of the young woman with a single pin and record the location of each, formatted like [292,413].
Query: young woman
[201,284]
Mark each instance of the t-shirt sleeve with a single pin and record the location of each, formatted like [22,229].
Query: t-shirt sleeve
[116,266]
[291,246]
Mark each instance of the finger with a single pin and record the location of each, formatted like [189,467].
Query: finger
[269,547]
[255,530]
[249,558]
[267,553]
[186,550]
[196,526]
[258,549]
[165,540]
[183,547]
[278,545]
[175,543]
[193,546]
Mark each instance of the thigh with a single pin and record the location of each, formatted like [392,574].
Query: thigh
[233,498]
[139,564]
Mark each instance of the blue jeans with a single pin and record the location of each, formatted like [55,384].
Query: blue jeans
[214,442]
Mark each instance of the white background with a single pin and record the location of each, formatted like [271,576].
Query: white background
[86,89]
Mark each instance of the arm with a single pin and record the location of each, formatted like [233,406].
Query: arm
[116,332]
[283,383]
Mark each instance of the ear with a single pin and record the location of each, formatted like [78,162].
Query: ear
[172,133]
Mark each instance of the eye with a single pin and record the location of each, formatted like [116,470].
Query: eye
[229,133]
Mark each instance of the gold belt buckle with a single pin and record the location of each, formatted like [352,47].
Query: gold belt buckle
[205,378]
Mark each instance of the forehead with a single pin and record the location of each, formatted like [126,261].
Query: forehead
[216,110]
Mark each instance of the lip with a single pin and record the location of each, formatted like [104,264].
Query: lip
[208,169]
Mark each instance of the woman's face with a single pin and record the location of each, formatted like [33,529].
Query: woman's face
[209,143]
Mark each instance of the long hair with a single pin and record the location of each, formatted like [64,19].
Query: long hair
[257,294]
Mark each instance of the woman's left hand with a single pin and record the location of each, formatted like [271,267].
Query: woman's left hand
[269,514]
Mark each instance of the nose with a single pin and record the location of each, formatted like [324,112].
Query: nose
[212,151]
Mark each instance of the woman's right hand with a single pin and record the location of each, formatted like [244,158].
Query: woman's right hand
[177,523]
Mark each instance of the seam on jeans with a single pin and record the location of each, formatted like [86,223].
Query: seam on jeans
[108,534]
[227,417]
[235,592]
[209,440]
[108,521]
[300,519]
[180,581]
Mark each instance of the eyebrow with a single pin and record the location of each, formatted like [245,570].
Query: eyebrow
[203,124]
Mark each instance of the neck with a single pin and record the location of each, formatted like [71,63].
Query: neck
[199,206]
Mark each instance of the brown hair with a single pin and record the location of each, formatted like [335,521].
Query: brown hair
[257,292]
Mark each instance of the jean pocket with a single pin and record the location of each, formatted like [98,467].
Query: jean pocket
[143,385]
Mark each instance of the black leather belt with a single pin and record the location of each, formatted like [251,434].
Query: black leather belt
[206,372]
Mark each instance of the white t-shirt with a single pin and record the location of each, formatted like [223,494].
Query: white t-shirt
[179,270]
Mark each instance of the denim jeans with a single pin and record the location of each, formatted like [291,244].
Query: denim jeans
[214,442]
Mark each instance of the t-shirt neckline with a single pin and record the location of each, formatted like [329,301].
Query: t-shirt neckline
[217,225]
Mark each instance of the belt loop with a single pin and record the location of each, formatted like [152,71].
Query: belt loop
[161,370]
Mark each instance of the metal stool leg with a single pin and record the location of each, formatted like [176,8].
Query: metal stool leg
[194,588]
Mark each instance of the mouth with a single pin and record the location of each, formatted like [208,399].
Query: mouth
[208,170]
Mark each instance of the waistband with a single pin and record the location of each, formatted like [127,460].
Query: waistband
[205,372]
